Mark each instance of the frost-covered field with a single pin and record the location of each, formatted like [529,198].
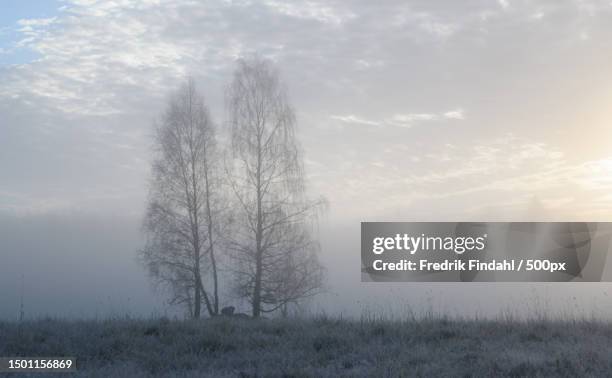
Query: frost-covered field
[227,347]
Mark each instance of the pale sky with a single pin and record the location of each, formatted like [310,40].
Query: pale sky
[401,106]
[407,110]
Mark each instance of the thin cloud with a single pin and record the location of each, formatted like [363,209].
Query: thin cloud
[355,120]
[504,4]
[405,120]
[36,21]
[455,114]
[320,12]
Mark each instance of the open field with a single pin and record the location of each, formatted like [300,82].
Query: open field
[228,347]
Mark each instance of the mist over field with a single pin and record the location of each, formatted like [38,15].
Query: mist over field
[81,266]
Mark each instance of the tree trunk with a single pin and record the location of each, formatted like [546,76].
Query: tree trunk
[197,276]
[211,245]
[258,239]
[197,299]
[215,279]
[257,288]
[205,296]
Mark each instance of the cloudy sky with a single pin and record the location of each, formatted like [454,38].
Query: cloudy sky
[418,110]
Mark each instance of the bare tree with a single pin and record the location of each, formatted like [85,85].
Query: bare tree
[274,253]
[183,203]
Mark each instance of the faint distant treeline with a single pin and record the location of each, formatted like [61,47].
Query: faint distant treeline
[242,206]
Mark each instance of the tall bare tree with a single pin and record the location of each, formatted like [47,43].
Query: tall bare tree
[274,252]
[183,203]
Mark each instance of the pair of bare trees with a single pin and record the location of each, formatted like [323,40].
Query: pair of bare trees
[248,207]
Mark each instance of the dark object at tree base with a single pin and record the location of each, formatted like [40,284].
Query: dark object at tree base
[228,312]
[151,331]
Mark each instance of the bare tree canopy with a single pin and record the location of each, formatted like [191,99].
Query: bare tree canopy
[183,203]
[274,253]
